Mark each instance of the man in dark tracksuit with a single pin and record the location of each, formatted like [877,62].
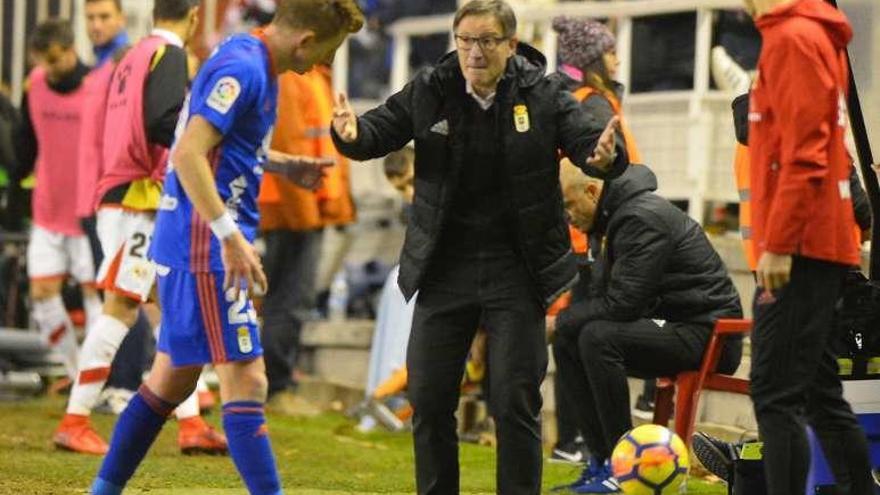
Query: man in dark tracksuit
[654,263]
[487,241]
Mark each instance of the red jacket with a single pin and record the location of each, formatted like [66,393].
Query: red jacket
[800,167]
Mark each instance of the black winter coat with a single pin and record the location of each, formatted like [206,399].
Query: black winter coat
[431,110]
[656,262]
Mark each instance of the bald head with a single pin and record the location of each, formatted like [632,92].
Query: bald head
[572,177]
[580,194]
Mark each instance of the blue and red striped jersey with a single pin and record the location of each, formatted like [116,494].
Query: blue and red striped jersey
[236,91]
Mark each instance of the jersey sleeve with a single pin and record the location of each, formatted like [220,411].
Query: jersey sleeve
[223,91]
[165,93]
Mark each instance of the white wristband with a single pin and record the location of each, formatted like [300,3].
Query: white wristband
[224,226]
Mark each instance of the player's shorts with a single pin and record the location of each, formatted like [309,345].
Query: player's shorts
[202,323]
[54,255]
[125,239]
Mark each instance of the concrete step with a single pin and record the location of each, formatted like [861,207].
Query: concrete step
[336,356]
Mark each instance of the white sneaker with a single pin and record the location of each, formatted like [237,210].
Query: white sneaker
[728,74]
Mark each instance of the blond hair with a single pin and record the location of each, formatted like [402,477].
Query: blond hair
[327,18]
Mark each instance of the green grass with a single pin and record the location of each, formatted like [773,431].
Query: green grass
[318,456]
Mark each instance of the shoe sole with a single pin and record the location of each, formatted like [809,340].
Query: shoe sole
[204,451]
[556,459]
[711,457]
[553,460]
[66,448]
[645,415]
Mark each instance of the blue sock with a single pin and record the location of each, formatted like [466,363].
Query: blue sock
[136,430]
[245,426]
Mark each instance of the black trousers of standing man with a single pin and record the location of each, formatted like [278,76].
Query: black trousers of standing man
[455,297]
[794,381]
[291,264]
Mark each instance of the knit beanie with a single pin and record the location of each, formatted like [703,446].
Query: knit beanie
[582,41]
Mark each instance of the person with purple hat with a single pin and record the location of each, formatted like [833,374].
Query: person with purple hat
[588,66]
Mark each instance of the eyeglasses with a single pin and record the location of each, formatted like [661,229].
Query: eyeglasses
[487,43]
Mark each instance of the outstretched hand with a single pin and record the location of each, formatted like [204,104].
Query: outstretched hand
[603,156]
[344,119]
[304,171]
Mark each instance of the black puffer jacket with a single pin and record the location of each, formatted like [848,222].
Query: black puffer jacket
[656,262]
[431,109]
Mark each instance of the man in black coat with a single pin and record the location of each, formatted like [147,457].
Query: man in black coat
[657,288]
[487,241]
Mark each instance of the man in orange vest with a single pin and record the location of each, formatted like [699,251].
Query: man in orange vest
[292,220]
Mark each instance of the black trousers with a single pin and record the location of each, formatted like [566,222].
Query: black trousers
[456,296]
[567,429]
[794,381]
[291,265]
[593,366]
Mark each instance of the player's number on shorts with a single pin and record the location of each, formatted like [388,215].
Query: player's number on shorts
[138,243]
[240,311]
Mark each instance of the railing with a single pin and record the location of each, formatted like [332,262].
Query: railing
[693,165]
[689,167]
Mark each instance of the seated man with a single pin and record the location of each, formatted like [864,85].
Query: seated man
[657,288]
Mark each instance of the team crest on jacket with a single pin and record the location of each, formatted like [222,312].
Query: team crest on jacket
[521,118]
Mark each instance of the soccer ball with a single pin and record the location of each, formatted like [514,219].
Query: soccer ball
[650,460]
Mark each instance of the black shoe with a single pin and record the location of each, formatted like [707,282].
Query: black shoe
[716,455]
[575,453]
[644,408]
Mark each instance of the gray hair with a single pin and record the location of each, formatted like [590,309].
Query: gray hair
[500,9]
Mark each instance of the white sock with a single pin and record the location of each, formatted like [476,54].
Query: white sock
[56,330]
[93,308]
[102,341]
[189,407]
[202,385]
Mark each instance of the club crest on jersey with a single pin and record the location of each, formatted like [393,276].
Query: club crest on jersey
[224,94]
[521,118]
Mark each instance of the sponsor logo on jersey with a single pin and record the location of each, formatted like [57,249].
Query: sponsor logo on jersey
[224,94]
